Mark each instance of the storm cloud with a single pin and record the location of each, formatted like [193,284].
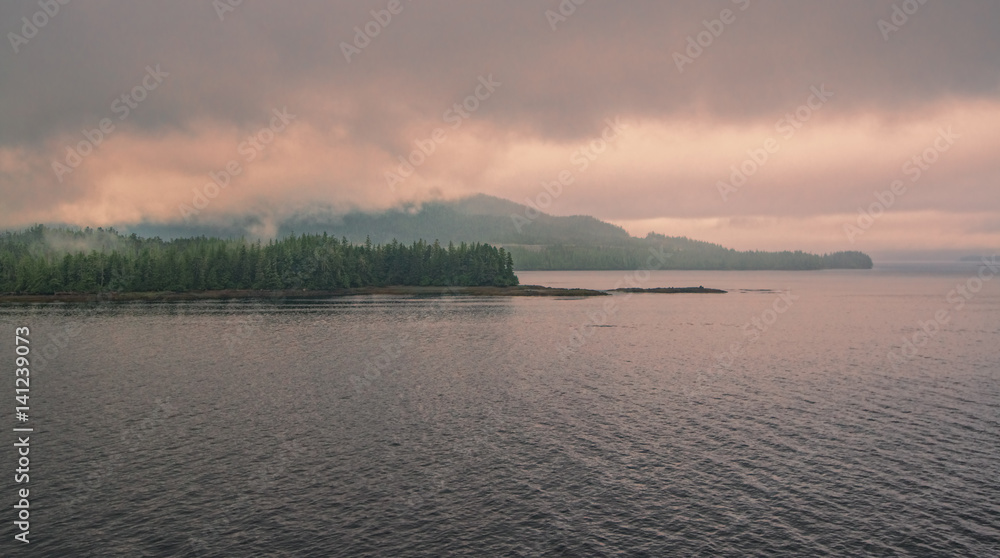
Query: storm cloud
[757,124]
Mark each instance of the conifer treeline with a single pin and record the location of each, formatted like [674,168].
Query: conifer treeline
[44,260]
[636,256]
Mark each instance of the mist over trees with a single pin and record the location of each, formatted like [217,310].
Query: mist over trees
[539,241]
[43,260]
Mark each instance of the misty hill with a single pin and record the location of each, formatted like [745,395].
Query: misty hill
[542,242]
[472,219]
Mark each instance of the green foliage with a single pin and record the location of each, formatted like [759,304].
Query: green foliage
[681,253]
[43,260]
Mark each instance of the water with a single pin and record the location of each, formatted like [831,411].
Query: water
[769,421]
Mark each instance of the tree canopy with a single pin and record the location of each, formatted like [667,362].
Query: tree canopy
[43,260]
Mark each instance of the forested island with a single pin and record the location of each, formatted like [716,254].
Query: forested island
[46,261]
[56,263]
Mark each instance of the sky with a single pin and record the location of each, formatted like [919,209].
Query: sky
[809,125]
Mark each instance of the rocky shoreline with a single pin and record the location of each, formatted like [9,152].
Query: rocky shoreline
[229,294]
[672,290]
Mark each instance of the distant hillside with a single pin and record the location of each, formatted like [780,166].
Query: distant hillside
[550,242]
[478,218]
[544,242]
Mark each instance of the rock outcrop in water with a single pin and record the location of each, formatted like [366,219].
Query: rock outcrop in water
[671,290]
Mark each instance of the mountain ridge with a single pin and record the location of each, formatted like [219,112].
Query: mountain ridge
[542,241]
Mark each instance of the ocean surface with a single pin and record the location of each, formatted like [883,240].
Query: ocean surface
[833,413]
